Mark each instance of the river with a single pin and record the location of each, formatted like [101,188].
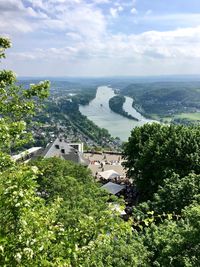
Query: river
[99,112]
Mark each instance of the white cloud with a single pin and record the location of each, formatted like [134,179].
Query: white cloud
[74,36]
[134,11]
[53,15]
[79,33]
[114,11]
[39,15]
[120,8]
[10,5]
[152,44]
[15,17]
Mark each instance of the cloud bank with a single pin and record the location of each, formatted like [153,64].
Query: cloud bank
[84,38]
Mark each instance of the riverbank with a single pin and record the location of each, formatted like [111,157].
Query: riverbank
[116,105]
[100,113]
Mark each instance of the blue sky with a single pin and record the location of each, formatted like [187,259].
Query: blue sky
[102,37]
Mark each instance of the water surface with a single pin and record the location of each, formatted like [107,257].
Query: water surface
[99,112]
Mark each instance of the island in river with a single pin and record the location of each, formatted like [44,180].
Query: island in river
[116,104]
[99,112]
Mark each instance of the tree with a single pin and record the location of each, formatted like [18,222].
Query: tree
[170,200]
[28,227]
[176,193]
[175,243]
[87,217]
[30,234]
[17,105]
[75,185]
[37,228]
[154,151]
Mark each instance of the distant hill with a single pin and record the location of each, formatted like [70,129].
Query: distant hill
[165,98]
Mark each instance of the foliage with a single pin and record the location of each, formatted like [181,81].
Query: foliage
[154,151]
[17,105]
[4,44]
[29,233]
[170,199]
[164,162]
[116,105]
[165,98]
[175,243]
[176,193]
[89,223]
[121,248]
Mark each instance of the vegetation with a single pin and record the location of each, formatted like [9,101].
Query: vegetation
[116,105]
[27,228]
[175,243]
[164,162]
[64,111]
[37,227]
[191,116]
[85,96]
[84,212]
[154,151]
[165,98]
[186,118]
[53,212]
[71,109]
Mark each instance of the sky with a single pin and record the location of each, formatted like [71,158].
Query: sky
[101,37]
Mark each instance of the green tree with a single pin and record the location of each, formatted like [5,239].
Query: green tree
[17,105]
[116,104]
[154,151]
[176,193]
[30,234]
[100,234]
[78,230]
[175,243]
[169,201]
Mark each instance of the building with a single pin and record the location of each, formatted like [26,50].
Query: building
[59,148]
[27,154]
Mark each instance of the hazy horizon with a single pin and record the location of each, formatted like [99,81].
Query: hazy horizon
[162,77]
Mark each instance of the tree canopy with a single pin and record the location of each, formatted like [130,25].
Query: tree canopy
[154,151]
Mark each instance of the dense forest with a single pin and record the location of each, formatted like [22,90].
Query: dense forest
[53,212]
[165,98]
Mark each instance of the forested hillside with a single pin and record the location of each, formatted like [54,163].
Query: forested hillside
[53,212]
[116,105]
[165,98]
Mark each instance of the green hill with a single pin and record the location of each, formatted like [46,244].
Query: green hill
[165,98]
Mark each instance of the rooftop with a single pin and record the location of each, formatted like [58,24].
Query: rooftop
[113,188]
